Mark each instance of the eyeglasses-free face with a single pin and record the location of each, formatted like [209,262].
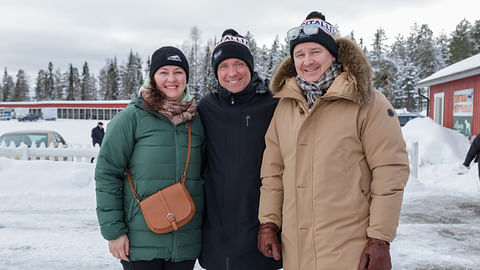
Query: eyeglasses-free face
[171,81]
[233,75]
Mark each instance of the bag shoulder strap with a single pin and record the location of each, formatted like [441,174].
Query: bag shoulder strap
[132,188]
[184,174]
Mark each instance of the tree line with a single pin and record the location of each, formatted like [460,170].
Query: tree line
[410,59]
[396,67]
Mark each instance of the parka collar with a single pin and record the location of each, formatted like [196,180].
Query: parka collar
[357,75]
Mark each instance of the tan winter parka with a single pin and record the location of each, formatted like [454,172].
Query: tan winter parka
[334,175]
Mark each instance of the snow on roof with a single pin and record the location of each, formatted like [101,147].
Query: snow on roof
[465,68]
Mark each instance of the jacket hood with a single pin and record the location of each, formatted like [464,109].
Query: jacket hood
[354,63]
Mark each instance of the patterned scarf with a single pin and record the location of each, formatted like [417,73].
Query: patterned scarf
[176,111]
[313,90]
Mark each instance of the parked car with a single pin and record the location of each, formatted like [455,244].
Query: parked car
[404,117]
[5,114]
[49,114]
[28,117]
[5,117]
[29,137]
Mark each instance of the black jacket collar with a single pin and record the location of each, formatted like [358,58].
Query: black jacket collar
[257,86]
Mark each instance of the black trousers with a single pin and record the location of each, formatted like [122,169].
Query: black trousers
[158,264]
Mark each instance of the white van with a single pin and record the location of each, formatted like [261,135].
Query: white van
[49,113]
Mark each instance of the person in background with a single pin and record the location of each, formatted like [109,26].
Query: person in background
[335,164]
[97,134]
[150,139]
[235,115]
[472,154]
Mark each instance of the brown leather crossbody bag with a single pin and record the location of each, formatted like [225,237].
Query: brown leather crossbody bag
[170,208]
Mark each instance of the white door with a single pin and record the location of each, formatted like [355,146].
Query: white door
[438,107]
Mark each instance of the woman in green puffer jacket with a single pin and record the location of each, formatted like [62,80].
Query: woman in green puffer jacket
[150,139]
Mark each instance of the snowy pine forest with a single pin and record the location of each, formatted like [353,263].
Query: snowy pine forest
[397,66]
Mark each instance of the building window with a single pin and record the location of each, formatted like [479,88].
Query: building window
[107,114]
[64,113]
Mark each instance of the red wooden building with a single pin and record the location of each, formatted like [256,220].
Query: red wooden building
[454,94]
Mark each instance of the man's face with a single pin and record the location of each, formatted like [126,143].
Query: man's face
[311,60]
[233,75]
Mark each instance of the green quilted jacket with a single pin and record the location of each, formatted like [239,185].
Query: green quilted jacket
[155,151]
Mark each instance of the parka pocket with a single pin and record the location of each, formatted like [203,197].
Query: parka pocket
[365,179]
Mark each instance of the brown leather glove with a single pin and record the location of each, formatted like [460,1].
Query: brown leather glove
[267,241]
[375,255]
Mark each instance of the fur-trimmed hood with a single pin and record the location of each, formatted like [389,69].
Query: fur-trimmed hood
[355,64]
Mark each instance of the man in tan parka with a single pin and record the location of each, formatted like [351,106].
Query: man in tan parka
[335,164]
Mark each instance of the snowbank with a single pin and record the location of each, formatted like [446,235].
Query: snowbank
[437,145]
[45,177]
[441,152]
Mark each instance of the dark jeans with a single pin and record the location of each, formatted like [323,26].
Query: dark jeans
[158,264]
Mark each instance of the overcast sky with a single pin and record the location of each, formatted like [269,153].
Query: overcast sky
[34,32]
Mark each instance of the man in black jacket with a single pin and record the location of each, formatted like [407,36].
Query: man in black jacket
[235,116]
[473,154]
[97,136]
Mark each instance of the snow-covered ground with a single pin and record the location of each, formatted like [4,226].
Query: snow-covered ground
[439,225]
[48,220]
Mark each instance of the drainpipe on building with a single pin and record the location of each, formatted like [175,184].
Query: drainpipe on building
[425,97]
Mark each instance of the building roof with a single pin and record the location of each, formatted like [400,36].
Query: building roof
[66,104]
[465,68]
[53,102]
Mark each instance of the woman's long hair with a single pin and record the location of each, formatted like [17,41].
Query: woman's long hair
[153,97]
